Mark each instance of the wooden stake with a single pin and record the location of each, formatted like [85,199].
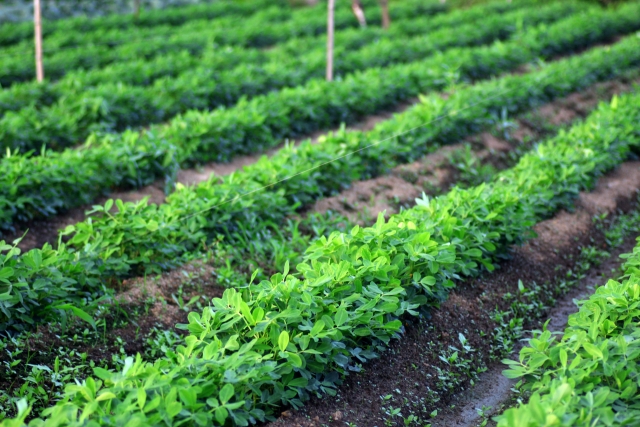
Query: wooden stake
[330,26]
[386,19]
[37,21]
[136,9]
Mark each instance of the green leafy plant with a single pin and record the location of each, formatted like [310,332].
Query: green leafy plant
[264,66]
[194,36]
[589,376]
[276,341]
[22,193]
[131,241]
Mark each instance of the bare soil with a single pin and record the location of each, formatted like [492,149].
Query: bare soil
[204,172]
[46,230]
[493,390]
[434,174]
[411,368]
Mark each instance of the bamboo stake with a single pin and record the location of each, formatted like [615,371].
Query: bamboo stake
[37,21]
[136,9]
[330,29]
[386,19]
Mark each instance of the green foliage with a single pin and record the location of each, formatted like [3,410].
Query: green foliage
[194,36]
[589,376]
[114,106]
[142,72]
[223,133]
[272,343]
[471,171]
[74,28]
[40,184]
[129,239]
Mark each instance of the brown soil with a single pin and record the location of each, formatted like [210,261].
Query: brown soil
[409,369]
[493,390]
[141,305]
[434,173]
[43,231]
[196,279]
[203,173]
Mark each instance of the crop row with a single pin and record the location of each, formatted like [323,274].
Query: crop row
[233,267]
[41,185]
[76,32]
[140,72]
[140,238]
[262,29]
[276,14]
[117,36]
[589,376]
[278,341]
[114,107]
[11,33]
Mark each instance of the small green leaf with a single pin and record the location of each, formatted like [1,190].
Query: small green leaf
[283,340]
[5,273]
[226,393]
[341,316]
[317,328]
[142,398]
[221,415]
[77,312]
[593,350]
[105,396]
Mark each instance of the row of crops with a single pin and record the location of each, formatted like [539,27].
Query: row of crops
[270,26]
[589,375]
[273,342]
[145,238]
[132,158]
[114,106]
[15,33]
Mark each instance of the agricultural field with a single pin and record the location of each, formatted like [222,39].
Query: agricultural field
[258,212]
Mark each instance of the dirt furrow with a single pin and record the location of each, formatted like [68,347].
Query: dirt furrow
[204,172]
[468,162]
[493,392]
[46,230]
[419,374]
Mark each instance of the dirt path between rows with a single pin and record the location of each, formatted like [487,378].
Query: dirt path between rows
[411,376]
[436,173]
[203,173]
[46,230]
[493,390]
